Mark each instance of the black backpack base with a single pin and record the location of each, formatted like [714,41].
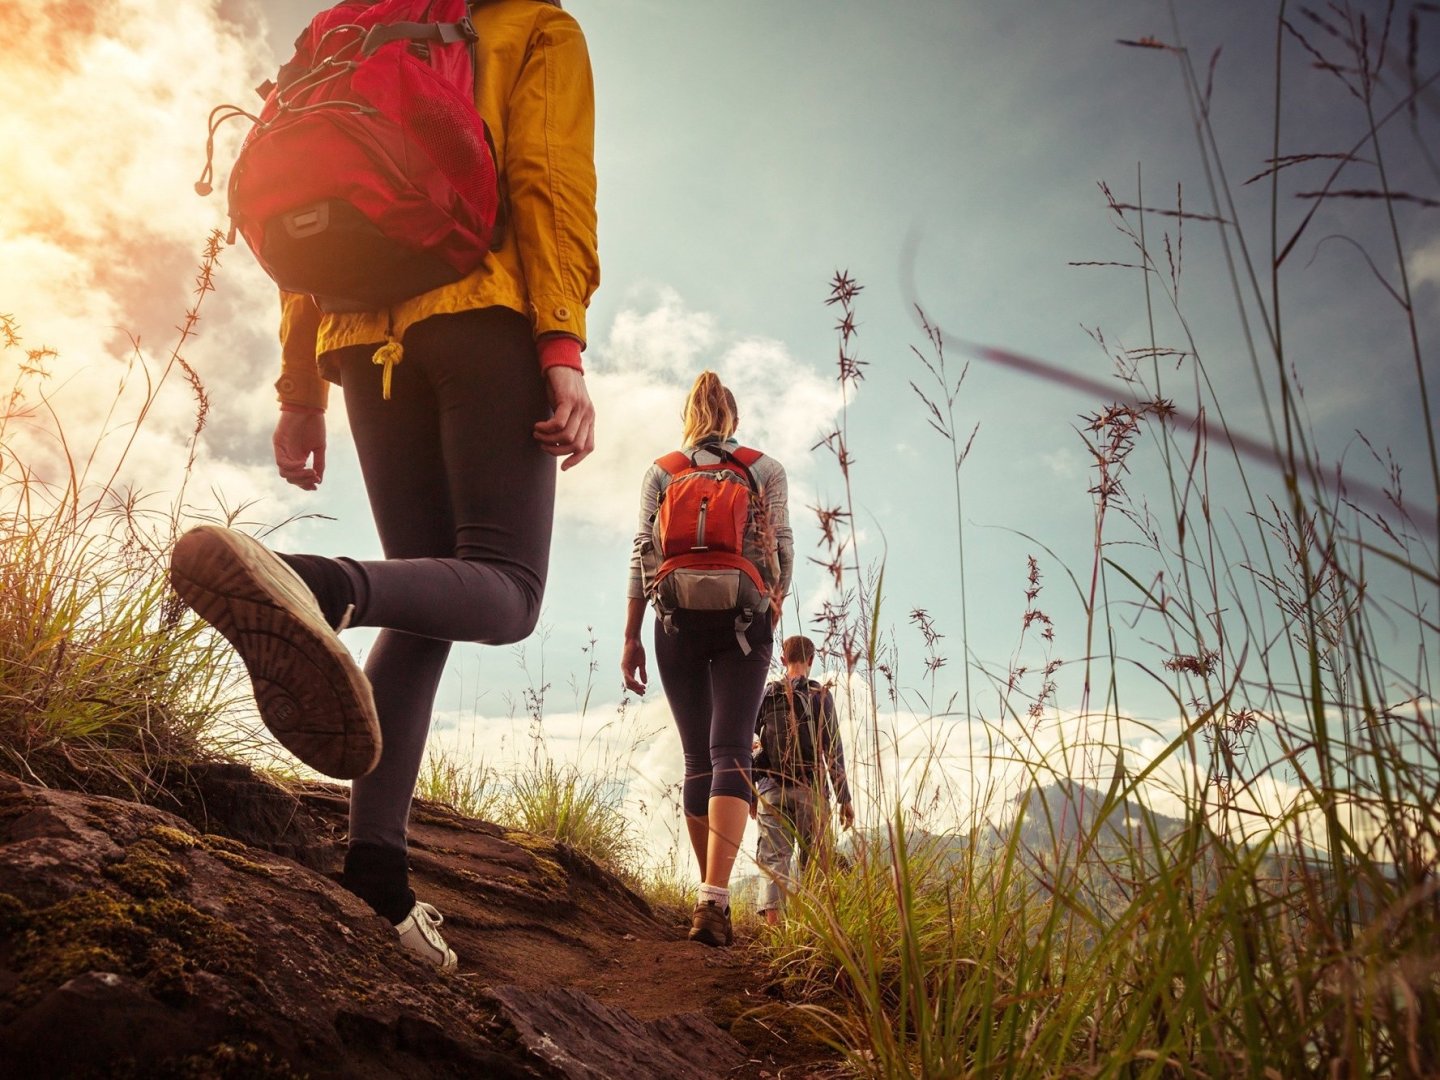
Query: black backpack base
[335,253]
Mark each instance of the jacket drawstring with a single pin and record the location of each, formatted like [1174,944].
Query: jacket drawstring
[388,355]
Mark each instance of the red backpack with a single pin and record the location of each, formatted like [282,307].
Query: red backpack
[707,537]
[368,176]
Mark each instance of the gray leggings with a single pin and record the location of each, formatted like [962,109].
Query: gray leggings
[463,500]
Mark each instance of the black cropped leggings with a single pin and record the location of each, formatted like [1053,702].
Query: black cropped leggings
[463,500]
[714,691]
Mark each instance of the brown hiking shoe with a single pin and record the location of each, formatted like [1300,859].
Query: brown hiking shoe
[312,695]
[710,925]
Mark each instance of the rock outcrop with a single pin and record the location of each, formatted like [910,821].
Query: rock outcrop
[134,943]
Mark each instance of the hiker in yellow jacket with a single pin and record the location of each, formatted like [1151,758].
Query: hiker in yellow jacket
[460,402]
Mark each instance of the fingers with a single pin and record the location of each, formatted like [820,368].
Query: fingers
[305,481]
[294,470]
[570,434]
[632,667]
[570,430]
[299,446]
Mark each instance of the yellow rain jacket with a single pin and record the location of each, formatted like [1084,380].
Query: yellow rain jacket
[534,90]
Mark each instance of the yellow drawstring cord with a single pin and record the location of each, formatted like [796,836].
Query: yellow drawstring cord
[387,356]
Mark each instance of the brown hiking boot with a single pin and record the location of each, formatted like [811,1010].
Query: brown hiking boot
[710,925]
[312,695]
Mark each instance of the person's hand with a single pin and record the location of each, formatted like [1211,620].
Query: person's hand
[847,815]
[571,428]
[775,613]
[632,665]
[299,444]
[754,809]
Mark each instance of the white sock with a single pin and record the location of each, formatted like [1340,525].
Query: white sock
[720,896]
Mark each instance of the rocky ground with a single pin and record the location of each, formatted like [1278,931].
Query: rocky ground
[214,942]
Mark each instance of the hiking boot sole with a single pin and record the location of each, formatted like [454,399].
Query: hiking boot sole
[311,694]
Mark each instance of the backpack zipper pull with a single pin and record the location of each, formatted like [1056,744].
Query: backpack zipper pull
[700,525]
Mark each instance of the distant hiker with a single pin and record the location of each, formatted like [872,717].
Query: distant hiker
[713,555]
[460,400]
[799,746]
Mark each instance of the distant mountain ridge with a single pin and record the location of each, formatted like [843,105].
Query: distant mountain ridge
[1067,810]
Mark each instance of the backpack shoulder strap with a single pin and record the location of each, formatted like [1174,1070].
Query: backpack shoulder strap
[808,694]
[674,462]
[743,457]
[772,691]
[445,33]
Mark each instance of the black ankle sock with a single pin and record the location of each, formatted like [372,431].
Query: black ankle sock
[381,877]
[327,580]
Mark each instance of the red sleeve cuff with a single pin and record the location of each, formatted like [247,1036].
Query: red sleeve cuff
[559,350]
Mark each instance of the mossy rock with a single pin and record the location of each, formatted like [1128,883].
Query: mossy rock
[236,861]
[173,838]
[543,851]
[160,941]
[147,870]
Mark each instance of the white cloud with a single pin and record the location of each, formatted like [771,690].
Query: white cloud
[103,234]
[1424,265]
[664,340]
[784,404]
[639,378]
[1065,463]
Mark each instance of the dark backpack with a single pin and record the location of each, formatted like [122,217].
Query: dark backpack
[788,734]
[368,177]
[706,546]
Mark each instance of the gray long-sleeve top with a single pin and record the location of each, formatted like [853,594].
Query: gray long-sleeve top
[769,477]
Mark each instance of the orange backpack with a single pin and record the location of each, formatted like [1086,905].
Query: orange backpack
[706,536]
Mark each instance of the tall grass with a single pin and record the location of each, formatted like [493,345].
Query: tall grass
[105,681]
[1284,921]
[579,801]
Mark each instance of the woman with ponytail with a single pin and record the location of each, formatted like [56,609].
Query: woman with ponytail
[713,662]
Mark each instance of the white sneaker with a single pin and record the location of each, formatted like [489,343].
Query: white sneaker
[420,933]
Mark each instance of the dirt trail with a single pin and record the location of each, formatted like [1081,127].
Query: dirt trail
[210,944]
[523,911]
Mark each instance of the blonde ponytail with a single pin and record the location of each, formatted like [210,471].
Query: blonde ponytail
[710,411]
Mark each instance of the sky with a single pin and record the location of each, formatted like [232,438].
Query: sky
[943,153]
